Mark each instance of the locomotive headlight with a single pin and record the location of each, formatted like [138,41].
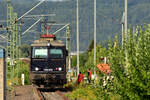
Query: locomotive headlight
[60,69]
[36,68]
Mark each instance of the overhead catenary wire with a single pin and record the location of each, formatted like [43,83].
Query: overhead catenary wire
[3,21]
[59,24]
[60,29]
[31,26]
[30,10]
[42,15]
[2,47]
[3,37]
[26,13]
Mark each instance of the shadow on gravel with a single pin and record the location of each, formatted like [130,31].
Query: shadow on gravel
[53,90]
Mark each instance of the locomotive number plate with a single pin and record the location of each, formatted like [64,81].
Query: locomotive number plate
[48,69]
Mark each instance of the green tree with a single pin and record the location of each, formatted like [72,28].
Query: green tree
[25,50]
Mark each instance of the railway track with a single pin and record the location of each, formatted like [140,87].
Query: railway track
[50,94]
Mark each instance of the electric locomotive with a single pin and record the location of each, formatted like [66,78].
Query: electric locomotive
[48,62]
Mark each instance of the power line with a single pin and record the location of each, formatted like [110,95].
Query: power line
[31,26]
[30,10]
[60,29]
[42,15]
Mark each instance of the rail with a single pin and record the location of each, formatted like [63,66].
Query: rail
[49,94]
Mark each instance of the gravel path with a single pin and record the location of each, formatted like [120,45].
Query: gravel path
[23,93]
[52,96]
[30,93]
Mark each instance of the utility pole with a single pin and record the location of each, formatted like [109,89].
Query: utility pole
[77,37]
[19,40]
[16,46]
[12,40]
[9,19]
[122,23]
[95,37]
[68,48]
[122,34]
[126,20]
[126,32]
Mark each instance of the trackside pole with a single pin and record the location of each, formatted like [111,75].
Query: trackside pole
[77,16]
[95,40]
[22,78]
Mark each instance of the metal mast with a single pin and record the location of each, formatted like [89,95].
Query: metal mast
[19,40]
[122,23]
[9,17]
[126,33]
[68,48]
[77,36]
[94,37]
[12,39]
[68,38]
[9,47]
[126,19]
[42,26]
[12,32]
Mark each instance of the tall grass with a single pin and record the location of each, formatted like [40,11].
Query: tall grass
[15,72]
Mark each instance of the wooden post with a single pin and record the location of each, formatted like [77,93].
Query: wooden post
[2,75]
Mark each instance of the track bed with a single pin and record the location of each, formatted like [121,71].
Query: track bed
[32,93]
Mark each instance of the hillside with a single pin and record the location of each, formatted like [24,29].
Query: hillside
[109,13]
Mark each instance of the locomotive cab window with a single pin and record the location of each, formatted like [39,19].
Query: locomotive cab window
[56,53]
[39,52]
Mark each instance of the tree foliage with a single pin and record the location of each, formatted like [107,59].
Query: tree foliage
[25,50]
[130,70]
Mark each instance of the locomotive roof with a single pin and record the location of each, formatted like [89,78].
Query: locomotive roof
[52,43]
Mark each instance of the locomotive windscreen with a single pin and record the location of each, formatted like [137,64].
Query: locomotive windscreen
[40,52]
[56,53]
[44,52]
